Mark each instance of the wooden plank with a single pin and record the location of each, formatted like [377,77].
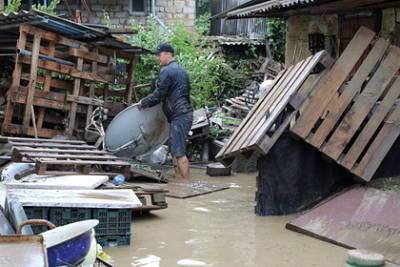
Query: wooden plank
[64,182]
[91,56]
[83,162]
[379,148]
[36,155]
[72,113]
[39,140]
[20,130]
[112,199]
[92,90]
[260,105]
[363,104]
[269,107]
[338,103]
[64,69]
[85,100]
[51,36]
[9,110]
[368,131]
[52,145]
[54,83]
[69,151]
[332,81]
[238,130]
[130,87]
[46,87]
[266,122]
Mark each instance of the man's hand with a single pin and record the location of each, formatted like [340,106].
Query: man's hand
[140,106]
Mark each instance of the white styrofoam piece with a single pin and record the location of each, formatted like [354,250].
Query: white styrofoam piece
[64,182]
[109,199]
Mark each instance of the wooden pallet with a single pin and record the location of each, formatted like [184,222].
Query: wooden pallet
[66,157]
[37,95]
[274,109]
[353,115]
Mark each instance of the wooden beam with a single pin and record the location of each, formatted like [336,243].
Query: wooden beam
[9,110]
[47,85]
[72,113]
[130,87]
[32,83]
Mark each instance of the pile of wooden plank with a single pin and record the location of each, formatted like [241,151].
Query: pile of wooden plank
[353,116]
[273,112]
[350,112]
[57,82]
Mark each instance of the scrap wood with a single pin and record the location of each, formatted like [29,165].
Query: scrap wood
[353,113]
[276,104]
[359,217]
[108,199]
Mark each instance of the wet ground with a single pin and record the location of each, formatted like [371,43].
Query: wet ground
[221,230]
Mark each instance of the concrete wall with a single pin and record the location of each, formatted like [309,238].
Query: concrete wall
[299,27]
[169,11]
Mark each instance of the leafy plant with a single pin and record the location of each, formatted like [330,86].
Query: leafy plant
[47,8]
[203,23]
[12,6]
[212,78]
[276,30]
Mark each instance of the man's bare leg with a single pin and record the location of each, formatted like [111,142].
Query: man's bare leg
[176,168]
[183,167]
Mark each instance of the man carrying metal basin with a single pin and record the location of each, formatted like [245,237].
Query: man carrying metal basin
[173,91]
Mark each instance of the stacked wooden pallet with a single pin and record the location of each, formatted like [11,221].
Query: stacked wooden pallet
[273,112]
[58,82]
[62,157]
[353,116]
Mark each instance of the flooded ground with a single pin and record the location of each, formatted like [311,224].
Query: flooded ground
[221,230]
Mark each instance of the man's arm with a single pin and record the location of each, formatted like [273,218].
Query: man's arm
[159,94]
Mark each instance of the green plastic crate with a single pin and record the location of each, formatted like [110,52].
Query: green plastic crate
[116,222]
[113,240]
[62,216]
[37,213]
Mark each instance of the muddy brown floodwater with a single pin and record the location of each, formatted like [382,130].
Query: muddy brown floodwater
[221,230]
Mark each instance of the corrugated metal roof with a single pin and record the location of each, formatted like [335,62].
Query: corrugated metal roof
[67,28]
[254,7]
[267,6]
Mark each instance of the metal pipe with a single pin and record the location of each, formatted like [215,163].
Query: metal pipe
[26,53]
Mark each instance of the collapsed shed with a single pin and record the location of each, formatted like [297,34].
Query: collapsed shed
[56,72]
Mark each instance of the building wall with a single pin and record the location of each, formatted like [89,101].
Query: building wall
[299,27]
[169,11]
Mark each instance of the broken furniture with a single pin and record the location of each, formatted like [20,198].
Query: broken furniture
[359,217]
[113,208]
[62,72]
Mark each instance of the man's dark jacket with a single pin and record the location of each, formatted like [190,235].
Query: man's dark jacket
[173,90]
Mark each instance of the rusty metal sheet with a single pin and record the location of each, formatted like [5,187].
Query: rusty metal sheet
[22,251]
[361,217]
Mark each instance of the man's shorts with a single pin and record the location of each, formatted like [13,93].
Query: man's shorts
[179,131]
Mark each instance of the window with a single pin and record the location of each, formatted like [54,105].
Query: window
[137,7]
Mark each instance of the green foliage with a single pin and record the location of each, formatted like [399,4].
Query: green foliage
[276,31]
[203,7]
[50,8]
[13,6]
[203,23]
[211,77]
